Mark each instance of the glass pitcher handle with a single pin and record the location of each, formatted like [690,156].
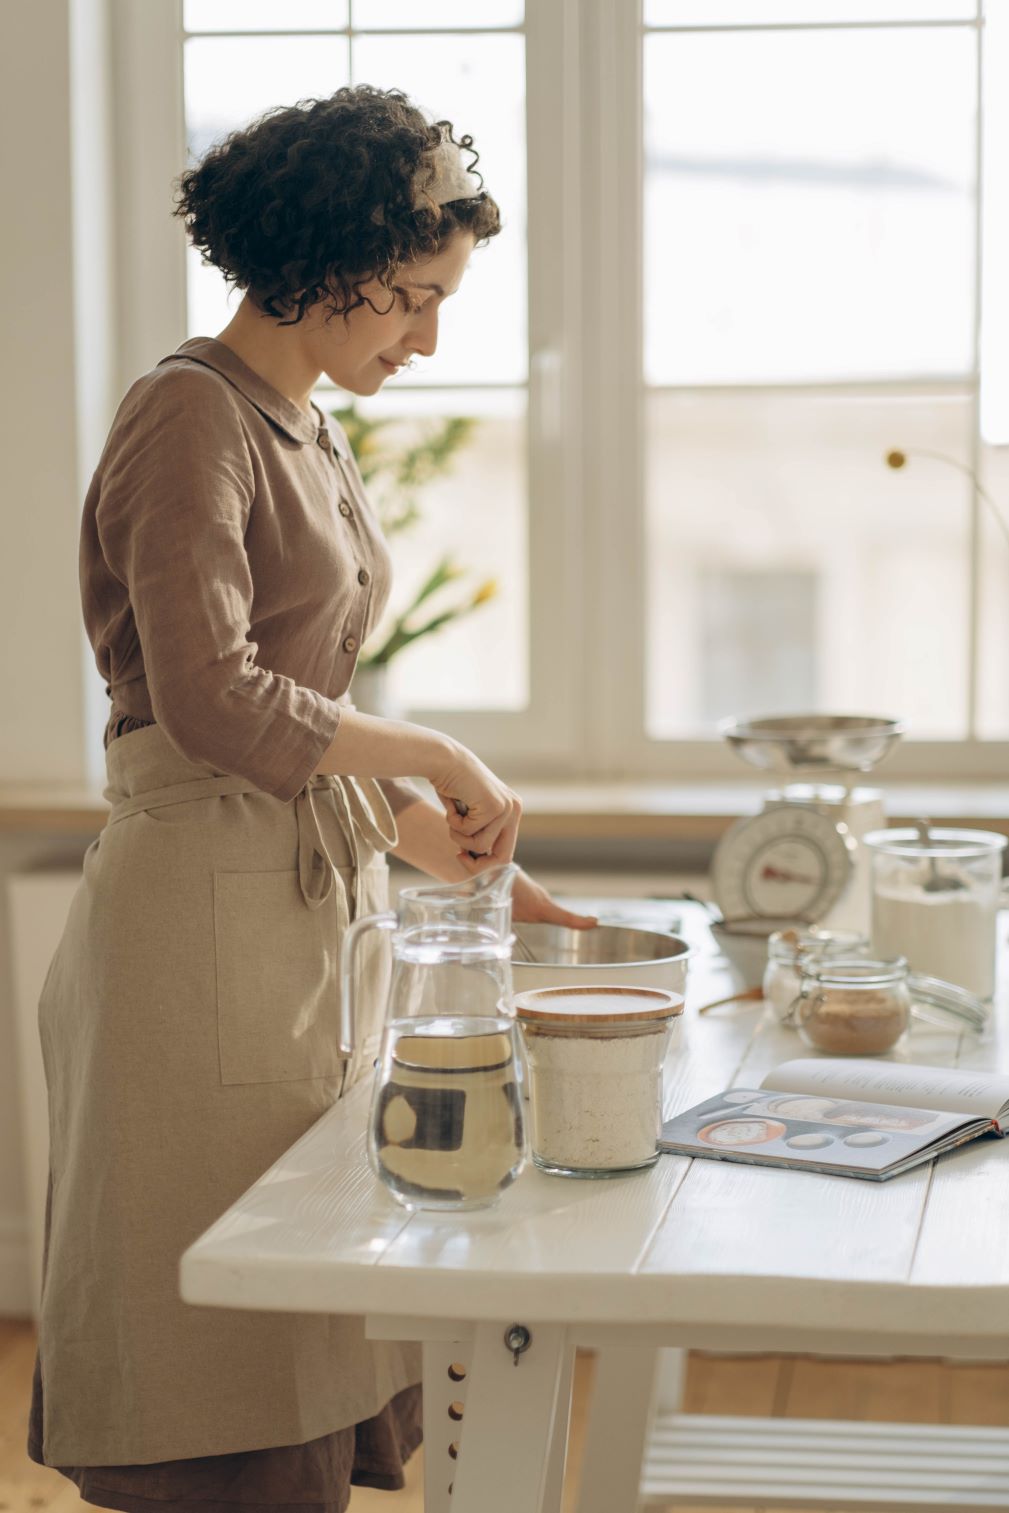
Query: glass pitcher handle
[348,1016]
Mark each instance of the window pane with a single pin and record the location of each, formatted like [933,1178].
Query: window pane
[758,628]
[383,14]
[264,15]
[478,83]
[477,515]
[228,82]
[478,511]
[755,12]
[210,303]
[792,237]
[790,568]
[993,624]
[994,397]
[231,80]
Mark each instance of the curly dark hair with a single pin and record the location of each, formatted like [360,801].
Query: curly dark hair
[313,200]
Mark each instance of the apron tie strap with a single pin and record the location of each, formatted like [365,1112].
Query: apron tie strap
[361,805]
[365,797]
[316,882]
[178,793]
[338,787]
[361,821]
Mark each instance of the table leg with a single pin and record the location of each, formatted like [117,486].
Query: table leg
[670,1380]
[512,1452]
[617,1431]
[554,1486]
[446,1379]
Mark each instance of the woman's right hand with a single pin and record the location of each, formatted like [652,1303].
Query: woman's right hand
[483,813]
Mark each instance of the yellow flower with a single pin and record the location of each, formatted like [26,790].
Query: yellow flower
[485,592]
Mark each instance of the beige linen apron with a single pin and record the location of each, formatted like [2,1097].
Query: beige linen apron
[189,1032]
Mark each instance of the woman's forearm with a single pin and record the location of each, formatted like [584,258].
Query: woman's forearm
[480,813]
[367,747]
[425,843]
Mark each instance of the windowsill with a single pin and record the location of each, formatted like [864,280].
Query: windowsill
[576,810]
[50,808]
[704,811]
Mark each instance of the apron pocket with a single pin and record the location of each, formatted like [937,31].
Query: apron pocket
[277,978]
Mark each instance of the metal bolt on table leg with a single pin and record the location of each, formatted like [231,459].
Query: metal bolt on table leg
[517,1339]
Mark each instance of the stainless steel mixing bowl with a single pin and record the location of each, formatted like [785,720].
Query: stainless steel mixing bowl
[614,955]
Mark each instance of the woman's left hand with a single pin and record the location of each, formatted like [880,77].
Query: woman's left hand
[532,905]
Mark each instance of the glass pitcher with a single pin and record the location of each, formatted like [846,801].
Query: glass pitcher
[446,1127]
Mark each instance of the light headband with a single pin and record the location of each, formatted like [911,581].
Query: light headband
[444,177]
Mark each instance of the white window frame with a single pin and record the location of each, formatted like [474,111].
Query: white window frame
[585,454]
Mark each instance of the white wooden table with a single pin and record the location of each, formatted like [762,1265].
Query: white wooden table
[703,1254]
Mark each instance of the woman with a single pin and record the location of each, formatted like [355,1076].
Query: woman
[231,569]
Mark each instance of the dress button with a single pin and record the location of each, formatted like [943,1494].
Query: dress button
[350,644]
[364,576]
[345,509]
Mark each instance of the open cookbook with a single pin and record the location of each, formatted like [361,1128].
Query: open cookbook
[870,1119]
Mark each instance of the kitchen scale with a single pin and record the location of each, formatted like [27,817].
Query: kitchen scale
[801,857]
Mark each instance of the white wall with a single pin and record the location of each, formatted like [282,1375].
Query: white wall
[55,262]
[58,381]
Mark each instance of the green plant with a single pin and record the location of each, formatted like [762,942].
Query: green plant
[394,477]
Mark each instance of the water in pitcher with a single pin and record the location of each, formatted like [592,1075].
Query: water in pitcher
[446,1126]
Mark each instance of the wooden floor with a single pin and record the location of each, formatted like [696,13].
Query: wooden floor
[791,1386]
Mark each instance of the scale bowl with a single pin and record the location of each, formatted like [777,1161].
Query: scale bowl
[812,743]
[744,941]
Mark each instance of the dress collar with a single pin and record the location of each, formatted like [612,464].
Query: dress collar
[284,413]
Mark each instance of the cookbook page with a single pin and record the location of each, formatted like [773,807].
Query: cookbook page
[803,1129]
[933,1087]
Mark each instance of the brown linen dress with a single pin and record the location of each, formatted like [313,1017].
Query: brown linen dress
[230,569]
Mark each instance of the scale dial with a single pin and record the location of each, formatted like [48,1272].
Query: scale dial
[790,862]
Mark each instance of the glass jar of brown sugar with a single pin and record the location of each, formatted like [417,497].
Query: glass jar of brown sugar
[851,1006]
[854,1006]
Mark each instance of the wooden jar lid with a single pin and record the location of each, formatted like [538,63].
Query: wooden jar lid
[596,1005]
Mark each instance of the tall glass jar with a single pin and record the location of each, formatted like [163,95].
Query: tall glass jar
[935,893]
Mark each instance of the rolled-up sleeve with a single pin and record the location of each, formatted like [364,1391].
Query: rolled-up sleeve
[176,494]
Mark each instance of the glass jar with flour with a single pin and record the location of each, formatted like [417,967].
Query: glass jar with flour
[595,1058]
[935,893]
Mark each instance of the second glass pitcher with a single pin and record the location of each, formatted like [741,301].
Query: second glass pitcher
[446,1127]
